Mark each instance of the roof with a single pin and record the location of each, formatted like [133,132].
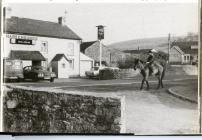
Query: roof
[178,49]
[141,51]
[85,58]
[58,57]
[85,45]
[186,47]
[39,28]
[27,55]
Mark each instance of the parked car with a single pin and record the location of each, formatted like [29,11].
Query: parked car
[38,73]
[12,69]
[95,71]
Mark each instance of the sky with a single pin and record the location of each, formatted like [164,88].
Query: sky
[123,21]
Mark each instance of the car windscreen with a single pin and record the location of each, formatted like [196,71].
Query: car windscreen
[38,68]
[96,68]
[17,63]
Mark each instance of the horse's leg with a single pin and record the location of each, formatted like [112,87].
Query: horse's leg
[162,83]
[147,84]
[162,76]
[159,82]
[142,83]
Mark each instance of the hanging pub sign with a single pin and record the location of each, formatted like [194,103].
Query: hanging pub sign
[100,32]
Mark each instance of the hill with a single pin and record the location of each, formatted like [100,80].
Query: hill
[159,43]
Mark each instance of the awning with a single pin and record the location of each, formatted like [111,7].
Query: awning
[27,55]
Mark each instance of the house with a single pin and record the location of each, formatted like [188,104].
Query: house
[110,56]
[184,52]
[45,43]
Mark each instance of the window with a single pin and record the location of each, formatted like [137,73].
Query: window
[44,63]
[44,46]
[71,64]
[185,58]
[70,49]
[63,65]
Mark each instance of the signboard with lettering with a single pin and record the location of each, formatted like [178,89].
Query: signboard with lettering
[22,41]
[25,37]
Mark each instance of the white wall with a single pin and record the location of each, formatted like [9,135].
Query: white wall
[85,65]
[55,46]
[63,72]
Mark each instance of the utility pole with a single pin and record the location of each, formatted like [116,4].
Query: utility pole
[100,37]
[169,44]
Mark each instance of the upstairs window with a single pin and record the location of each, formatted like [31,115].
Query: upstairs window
[71,64]
[70,49]
[44,46]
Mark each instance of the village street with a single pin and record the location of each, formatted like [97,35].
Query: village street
[147,112]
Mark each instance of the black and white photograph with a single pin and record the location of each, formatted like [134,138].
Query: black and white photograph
[100,68]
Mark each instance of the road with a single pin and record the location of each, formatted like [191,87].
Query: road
[147,112]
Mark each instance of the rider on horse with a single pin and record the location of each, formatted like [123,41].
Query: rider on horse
[150,60]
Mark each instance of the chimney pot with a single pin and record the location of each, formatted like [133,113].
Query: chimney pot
[60,20]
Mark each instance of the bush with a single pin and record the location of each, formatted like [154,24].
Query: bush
[108,73]
[127,63]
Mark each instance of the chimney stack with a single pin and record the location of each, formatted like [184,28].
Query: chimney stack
[60,20]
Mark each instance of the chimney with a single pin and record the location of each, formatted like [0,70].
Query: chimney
[60,20]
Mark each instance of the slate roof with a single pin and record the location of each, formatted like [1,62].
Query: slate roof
[38,28]
[85,45]
[186,47]
[58,57]
[27,55]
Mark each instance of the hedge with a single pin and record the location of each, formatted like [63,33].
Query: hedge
[108,73]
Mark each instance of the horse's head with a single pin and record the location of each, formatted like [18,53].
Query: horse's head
[137,64]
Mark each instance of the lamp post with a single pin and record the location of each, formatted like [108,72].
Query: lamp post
[100,31]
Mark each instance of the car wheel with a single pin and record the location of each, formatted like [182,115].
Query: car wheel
[20,80]
[35,79]
[52,80]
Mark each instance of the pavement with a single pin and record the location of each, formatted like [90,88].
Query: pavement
[184,93]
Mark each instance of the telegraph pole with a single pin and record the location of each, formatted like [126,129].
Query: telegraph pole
[169,44]
[100,37]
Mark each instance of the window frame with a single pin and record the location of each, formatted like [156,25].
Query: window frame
[44,47]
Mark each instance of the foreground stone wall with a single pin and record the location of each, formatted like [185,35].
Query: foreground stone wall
[50,112]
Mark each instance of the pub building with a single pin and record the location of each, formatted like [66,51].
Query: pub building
[49,44]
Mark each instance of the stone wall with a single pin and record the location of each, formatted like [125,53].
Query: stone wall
[50,112]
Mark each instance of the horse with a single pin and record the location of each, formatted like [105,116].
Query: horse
[158,67]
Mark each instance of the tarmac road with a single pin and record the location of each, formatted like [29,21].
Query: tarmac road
[147,112]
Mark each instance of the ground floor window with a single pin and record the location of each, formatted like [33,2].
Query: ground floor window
[63,65]
[44,63]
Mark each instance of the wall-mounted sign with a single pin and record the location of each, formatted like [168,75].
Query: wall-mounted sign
[25,37]
[22,41]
